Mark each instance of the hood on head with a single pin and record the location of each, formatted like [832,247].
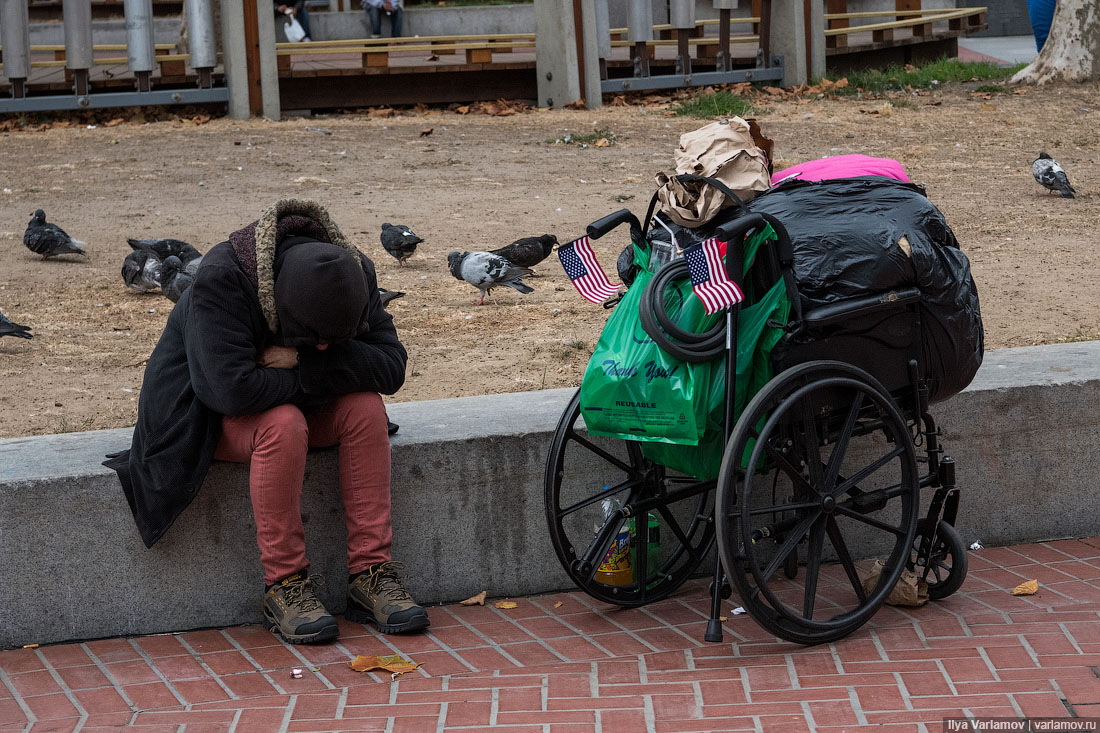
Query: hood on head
[321,294]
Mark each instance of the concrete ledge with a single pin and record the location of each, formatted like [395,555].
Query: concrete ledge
[467,498]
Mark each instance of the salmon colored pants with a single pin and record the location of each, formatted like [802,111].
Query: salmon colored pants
[275,444]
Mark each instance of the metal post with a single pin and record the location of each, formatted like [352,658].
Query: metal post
[603,35]
[640,32]
[682,19]
[140,49]
[725,60]
[269,70]
[787,38]
[15,38]
[77,18]
[589,56]
[556,59]
[235,59]
[201,41]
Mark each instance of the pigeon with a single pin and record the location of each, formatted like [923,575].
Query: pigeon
[485,271]
[165,248]
[388,295]
[7,328]
[141,271]
[399,241]
[176,277]
[50,240]
[1051,176]
[527,251]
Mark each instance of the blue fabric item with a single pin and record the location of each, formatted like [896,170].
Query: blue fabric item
[1041,13]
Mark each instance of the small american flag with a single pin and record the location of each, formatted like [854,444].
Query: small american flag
[708,277]
[584,270]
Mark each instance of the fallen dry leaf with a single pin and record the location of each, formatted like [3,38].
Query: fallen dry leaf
[115,121]
[426,131]
[1027,588]
[988,107]
[559,604]
[395,664]
[433,57]
[579,104]
[478,600]
[602,143]
[505,605]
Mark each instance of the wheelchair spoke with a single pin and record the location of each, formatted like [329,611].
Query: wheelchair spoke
[794,474]
[678,531]
[626,468]
[840,448]
[870,520]
[841,548]
[867,471]
[792,540]
[813,564]
[628,484]
[736,511]
[812,445]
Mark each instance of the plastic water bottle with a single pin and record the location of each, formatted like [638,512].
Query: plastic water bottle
[660,252]
[615,568]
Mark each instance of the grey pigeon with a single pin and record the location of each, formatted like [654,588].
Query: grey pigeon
[50,240]
[176,277]
[141,271]
[485,271]
[165,248]
[1051,176]
[399,241]
[388,295]
[527,251]
[7,328]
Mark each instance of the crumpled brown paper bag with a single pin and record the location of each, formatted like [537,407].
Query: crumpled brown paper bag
[725,150]
[910,590]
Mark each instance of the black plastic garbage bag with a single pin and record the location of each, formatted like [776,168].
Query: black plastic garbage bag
[860,236]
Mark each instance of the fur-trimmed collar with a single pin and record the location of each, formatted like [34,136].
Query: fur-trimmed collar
[255,245]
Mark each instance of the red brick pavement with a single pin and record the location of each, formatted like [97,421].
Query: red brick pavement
[566,664]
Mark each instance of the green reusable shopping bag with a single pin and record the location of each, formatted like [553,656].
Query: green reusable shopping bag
[633,389]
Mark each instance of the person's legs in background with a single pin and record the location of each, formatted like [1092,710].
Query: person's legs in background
[374,15]
[357,423]
[274,444]
[302,14]
[397,14]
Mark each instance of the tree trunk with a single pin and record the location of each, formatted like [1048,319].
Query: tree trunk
[1072,50]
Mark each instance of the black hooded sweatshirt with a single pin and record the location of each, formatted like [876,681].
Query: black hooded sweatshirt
[204,365]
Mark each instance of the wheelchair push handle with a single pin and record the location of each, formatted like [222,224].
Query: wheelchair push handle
[602,226]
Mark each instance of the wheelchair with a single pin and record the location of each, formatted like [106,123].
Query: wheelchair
[821,472]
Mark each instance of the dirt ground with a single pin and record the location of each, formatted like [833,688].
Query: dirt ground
[478,182]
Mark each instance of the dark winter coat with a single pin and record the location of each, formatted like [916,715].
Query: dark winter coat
[204,365]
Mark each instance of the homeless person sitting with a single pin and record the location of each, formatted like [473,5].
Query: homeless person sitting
[280,345]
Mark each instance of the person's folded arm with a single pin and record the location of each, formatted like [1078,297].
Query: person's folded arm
[222,349]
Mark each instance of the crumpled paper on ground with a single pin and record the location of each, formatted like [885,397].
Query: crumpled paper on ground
[910,590]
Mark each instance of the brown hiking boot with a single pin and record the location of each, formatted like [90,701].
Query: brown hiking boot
[294,613]
[377,596]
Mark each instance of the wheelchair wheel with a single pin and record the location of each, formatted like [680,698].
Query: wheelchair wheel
[669,515]
[832,459]
[946,563]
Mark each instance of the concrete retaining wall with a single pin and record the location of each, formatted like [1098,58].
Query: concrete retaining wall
[467,496]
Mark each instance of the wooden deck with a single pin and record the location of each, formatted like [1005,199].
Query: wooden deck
[371,72]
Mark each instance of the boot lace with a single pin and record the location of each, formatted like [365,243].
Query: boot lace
[299,593]
[385,580]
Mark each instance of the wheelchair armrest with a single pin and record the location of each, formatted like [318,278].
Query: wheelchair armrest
[861,306]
